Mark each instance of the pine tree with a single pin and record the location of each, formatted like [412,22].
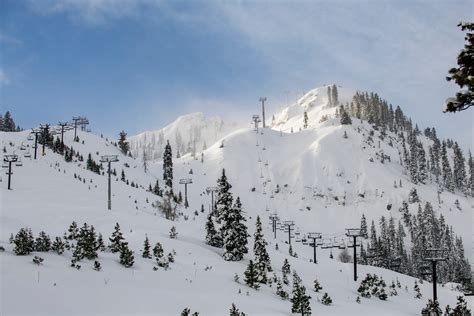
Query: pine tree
[422,168]
[462,75]
[168,166]
[262,259]
[305,119]
[173,233]
[8,123]
[126,255]
[334,96]
[447,175]
[224,197]
[280,291]
[363,227]
[251,276]
[100,243]
[58,246]
[416,288]
[317,286]
[461,308]
[73,231]
[286,270]
[146,248]
[213,238]
[235,233]
[43,242]
[470,180]
[116,239]
[330,103]
[234,311]
[24,242]
[326,300]
[459,169]
[345,118]
[432,308]
[122,143]
[296,298]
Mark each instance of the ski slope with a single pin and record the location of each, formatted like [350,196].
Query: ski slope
[320,175]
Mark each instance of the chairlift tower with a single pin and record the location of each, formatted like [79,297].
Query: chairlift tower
[289,225]
[434,255]
[314,237]
[354,233]
[256,120]
[263,99]
[109,159]
[274,218]
[36,131]
[44,133]
[76,120]
[63,126]
[186,182]
[211,190]
[10,159]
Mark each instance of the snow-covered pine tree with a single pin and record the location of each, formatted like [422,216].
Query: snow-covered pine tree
[234,311]
[224,197]
[326,299]
[43,242]
[416,288]
[345,118]
[461,308]
[280,291]
[330,103]
[363,227]
[116,239]
[235,233]
[286,270]
[126,255]
[168,166]
[251,276]
[146,248]
[173,233]
[447,175]
[262,259]
[422,168]
[459,169]
[334,96]
[213,238]
[24,242]
[296,293]
[462,75]
[305,119]
[58,246]
[123,144]
[317,286]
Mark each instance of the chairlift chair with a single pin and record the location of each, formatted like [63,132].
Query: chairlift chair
[19,163]
[30,137]
[22,147]
[27,155]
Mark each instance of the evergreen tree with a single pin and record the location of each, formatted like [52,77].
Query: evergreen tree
[334,96]
[173,233]
[363,227]
[262,259]
[416,288]
[122,143]
[286,270]
[326,300]
[24,242]
[280,291]
[43,242]
[235,233]
[58,246]
[422,168]
[234,311]
[146,248]
[461,308]
[470,181]
[8,123]
[317,286]
[126,255]
[330,103]
[459,169]
[213,238]
[116,239]
[224,197]
[432,308]
[305,120]
[447,175]
[345,118]
[168,166]
[251,276]
[100,243]
[462,75]
[296,297]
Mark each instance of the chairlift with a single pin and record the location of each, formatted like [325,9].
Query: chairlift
[298,240]
[5,165]
[304,243]
[19,163]
[22,147]
[342,247]
[27,155]
[324,246]
[297,233]
[304,240]
[30,137]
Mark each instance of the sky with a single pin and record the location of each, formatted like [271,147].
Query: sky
[138,64]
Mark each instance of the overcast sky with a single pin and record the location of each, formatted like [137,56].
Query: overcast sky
[137,64]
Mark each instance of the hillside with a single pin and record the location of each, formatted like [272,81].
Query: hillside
[316,177]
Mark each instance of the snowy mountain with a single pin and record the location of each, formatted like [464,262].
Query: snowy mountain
[323,177]
[187,134]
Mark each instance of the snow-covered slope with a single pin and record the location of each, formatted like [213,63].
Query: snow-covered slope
[187,134]
[315,103]
[317,178]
